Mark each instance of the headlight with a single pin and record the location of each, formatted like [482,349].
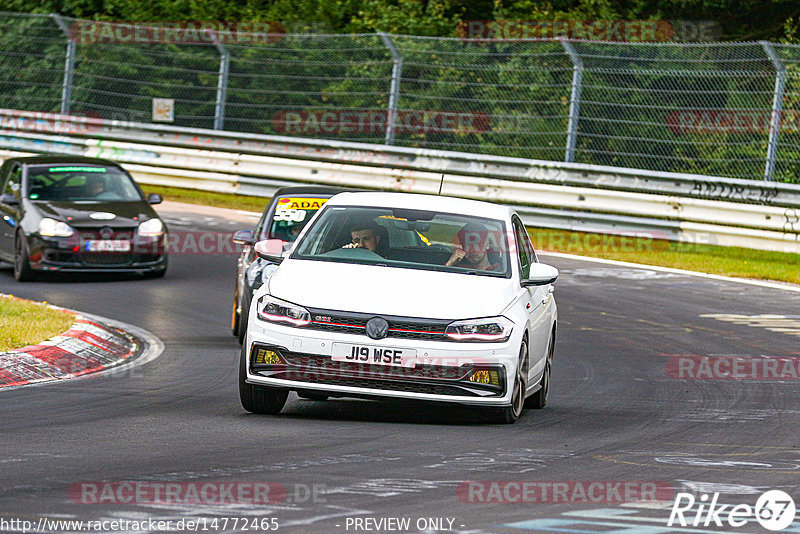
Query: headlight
[151,228]
[279,311]
[53,228]
[488,329]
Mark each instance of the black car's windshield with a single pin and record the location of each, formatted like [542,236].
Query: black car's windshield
[80,182]
[414,239]
[291,214]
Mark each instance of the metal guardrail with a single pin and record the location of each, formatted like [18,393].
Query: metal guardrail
[438,161]
[561,195]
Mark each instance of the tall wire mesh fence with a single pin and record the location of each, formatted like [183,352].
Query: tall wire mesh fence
[726,109]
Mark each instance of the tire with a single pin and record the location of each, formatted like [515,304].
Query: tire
[22,266]
[312,396]
[159,273]
[235,317]
[243,319]
[511,413]
[258,399]
[538,400]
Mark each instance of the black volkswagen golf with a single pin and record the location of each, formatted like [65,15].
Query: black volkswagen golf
[67,213]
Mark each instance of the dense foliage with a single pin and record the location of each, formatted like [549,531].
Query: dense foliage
[630,93]
[737,19]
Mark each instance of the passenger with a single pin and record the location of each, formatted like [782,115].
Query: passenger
[472,249]
[364,235]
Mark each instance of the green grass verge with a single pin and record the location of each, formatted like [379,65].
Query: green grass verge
[728,261]
[25,323]
[208,198]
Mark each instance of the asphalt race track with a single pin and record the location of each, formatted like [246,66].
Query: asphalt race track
[617,412]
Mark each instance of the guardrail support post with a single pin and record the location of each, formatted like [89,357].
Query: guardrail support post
[222,85]
[394,90]
[69,65]
[777,110]
[574,99]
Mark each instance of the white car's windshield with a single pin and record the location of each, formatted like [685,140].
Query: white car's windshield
[406,238]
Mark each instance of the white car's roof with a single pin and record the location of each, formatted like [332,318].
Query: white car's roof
[423,202]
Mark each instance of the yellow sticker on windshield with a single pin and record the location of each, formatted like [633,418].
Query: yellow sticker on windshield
[291,203]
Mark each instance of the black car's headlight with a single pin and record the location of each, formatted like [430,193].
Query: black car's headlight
[276,310]
[52,228]
[489,329]
[151,228]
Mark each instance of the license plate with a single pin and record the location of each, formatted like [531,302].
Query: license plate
[372,354]
[108,245]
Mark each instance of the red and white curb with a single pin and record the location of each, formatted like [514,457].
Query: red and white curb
[91,345]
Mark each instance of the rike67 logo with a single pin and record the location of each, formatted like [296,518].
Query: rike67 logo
[774,510]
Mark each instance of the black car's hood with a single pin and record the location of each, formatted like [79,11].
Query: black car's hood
[79,214]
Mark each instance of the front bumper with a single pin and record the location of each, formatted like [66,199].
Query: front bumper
[440,372]
[67,255]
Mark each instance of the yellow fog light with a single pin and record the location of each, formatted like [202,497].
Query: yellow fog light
[265,356]
[485,376]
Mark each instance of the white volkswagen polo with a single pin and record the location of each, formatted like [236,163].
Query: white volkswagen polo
[393,295]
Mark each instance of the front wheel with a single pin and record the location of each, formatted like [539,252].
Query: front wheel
[258,399]
[511,413]
[22,266]
[158,273]
[235,316]
[243,320]
[538,400]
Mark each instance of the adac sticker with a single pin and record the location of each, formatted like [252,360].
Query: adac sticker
[301,203]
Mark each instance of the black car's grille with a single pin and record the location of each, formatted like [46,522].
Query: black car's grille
[107,259]
[399,327]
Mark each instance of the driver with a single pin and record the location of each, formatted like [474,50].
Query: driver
[364,235]
[97,186]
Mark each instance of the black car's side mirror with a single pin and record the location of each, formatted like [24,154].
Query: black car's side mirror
[154,198]
[243,237]
[9,199]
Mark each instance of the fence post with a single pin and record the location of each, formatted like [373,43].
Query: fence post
[394,90]
[777,110]
[69,65]
[222,85]
[574,99]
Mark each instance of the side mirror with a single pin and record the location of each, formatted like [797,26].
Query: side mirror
[154,198]
[9,199]
[243,237]
[541,275]
[270,250]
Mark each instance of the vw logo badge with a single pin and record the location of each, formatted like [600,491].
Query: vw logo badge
[377,328]
[106,232]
